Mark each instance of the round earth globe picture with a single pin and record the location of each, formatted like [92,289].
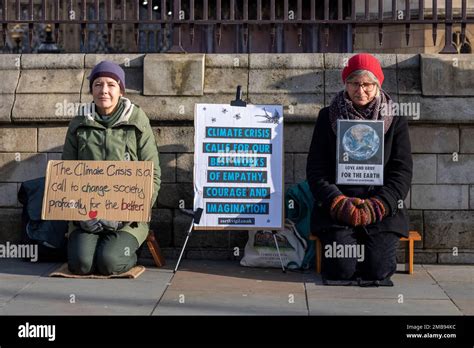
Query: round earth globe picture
[361,142]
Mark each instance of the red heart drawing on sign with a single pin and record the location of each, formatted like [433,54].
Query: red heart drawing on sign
[93,214]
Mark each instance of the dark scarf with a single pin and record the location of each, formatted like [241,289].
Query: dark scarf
[342,108]
[110,120]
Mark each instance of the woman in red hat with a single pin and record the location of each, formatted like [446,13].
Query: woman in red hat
[369,219]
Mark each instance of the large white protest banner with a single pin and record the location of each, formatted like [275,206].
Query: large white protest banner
[238,166]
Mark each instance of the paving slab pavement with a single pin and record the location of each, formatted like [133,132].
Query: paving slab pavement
[451,273]
[217,288]
[462,294]
[381,307]
[415,294]
[16,275]
[458,283]
[203,287]
[45,295]
[419,285]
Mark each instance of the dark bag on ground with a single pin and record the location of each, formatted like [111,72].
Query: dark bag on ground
[49,235]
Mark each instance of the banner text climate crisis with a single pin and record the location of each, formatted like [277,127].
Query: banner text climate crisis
[240,133]
[84,169]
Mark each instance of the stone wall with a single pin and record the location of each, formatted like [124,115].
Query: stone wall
[38,93]
[394,39]
[421,35]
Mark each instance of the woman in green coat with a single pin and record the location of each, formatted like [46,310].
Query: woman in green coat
[110,128]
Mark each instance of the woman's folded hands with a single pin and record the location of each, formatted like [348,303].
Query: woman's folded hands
[97,226]
[355,211]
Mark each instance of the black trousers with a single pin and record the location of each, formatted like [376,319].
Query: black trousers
[352,253]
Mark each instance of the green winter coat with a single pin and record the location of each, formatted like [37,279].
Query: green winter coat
[130,137]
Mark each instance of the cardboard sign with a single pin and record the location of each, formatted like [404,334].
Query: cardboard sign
[110,190]
[238,166]
[360,152]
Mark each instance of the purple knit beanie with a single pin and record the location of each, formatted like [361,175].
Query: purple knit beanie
[108,69]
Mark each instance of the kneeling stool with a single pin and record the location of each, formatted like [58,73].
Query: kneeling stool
[409,251]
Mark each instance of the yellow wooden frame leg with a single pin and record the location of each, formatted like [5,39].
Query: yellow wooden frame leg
[155,250]
[411,255]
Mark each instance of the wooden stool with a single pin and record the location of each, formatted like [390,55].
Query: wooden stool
[409,250]
[155,249]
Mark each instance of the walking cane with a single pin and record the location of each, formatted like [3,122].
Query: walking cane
[196,218]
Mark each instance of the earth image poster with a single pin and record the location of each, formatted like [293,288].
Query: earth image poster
[360,152]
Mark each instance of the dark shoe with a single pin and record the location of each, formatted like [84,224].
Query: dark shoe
[375,283]
[338,282]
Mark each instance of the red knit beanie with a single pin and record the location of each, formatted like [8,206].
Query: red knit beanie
[363,61]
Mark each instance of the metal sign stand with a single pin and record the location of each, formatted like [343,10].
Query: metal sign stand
[196,218]
[278,251]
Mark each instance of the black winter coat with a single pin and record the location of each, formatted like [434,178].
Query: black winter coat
[321,175]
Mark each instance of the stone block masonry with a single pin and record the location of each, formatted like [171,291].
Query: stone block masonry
[40,93]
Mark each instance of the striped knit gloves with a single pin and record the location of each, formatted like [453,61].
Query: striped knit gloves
[355,211]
